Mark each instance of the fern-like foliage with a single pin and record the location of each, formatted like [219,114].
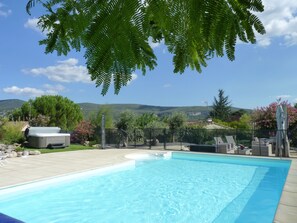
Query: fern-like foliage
[115,33]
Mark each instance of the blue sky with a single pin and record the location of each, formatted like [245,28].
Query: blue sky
[260,74]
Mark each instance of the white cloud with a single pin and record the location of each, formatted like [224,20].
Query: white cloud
[64,71]
[3,11]
[153,44]
[23,91]
[134,77]
[263,41]
[291,39]
[57,87]
[33,24]
[166,85]
[27,91]
[33,92]
[284,96]
[53,89]
[280,20]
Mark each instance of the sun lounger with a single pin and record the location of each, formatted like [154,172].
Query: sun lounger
[261,147]
[232,142]
[238,148]
[222,147]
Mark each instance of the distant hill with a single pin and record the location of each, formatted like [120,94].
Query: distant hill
[193,112]
[9,105]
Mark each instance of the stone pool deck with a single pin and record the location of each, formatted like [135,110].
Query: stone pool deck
[17,171]
[33,168]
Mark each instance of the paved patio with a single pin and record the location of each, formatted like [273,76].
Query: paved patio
[33,168]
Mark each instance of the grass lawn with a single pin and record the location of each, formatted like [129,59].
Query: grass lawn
[72,147]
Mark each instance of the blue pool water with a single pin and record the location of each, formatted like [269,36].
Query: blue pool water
[186,188]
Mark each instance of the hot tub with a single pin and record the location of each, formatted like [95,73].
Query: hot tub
[48,137]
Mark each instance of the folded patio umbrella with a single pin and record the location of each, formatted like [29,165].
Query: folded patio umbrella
[282,141]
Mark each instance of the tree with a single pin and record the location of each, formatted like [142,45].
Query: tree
[16,114]
[126,124]
[221,107]
[25,113]
[157,124]
[127,121]
[96,119]
[115,34]
[236,115]
[244,122]
[176,121]
[40,120]
[146,120]
[60,110]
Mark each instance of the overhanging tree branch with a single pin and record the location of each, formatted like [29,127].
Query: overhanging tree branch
[115,33]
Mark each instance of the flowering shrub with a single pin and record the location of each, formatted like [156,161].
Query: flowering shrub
[265,117]
[83,132]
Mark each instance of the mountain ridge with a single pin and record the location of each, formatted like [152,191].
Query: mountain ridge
[193,112]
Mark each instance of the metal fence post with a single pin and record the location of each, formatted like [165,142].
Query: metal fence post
[103,132]
[238,147]
[164,138]
[260,147]
[150,140]
[135,138]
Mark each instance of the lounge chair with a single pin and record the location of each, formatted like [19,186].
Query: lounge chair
[261,141]
[222,147]
[261,147]
[232,142]
[240,149]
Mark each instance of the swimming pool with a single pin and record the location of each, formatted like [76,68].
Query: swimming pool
[186,188]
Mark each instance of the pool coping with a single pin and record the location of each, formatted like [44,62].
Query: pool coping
[25,171]
[287,207]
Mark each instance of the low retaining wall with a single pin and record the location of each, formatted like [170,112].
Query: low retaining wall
[203,148]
